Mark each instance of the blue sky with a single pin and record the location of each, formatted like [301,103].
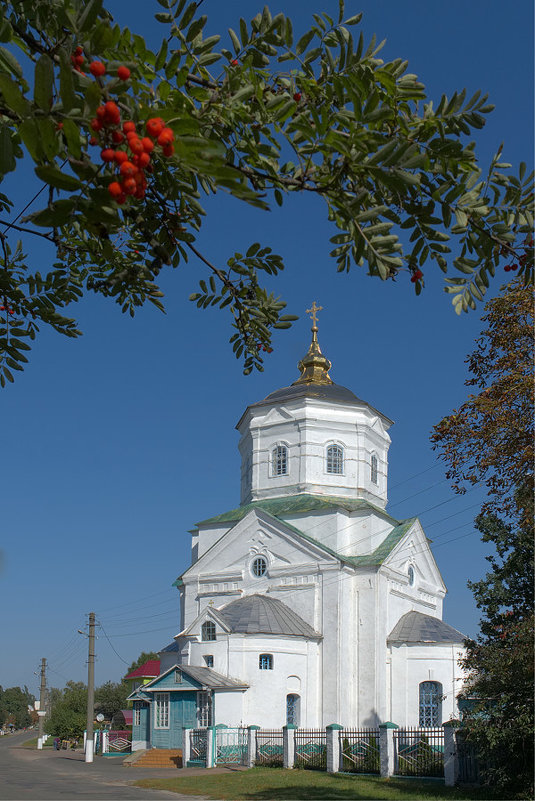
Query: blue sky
[114,445]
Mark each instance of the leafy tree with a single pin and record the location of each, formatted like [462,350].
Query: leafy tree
[499,718]
[489,439]
[111,697]
[142,658]
[14,702]
[68,716]
[266,117]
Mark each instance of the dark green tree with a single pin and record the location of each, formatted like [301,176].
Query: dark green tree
[68,715]
[111,697]
[145,656]
[264,115]
[14,703]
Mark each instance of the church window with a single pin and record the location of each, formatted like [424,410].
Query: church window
[335,459]
[292,710]
[410,573]
[208,631]
[209,660]
[280,460]
[259,567]
[161,711]
[204,709]
[374,469]
[265,662]
[430,704]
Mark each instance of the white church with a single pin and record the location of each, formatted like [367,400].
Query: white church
[308,604]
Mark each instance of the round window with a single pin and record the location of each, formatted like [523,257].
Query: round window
[259,566]
[410,573]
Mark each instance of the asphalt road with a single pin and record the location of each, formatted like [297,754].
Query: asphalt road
[50,775]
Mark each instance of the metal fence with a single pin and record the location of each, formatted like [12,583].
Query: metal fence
[311,749]
[419,752]
[120,740]
[359,750]
[198,747]
[269,748]
[230,746]
[468,763]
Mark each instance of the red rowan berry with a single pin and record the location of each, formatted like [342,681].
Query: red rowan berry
[154,126]
[93,141]
[96,125]
[168,150]
[166,137]
[117,137]
[234,62]
[101,112]
[129,186]
[79,50]
[121,199]
[127,169]
[148,144]
[97,68]
[297,97]
[143,159]
[123,73]
[79,60]
[135,146]
[108,154]
[120,156]
[129,126]
[115,189]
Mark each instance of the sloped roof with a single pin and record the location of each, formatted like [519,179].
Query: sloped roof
[148,670]
[416,627]
[209,678]
[297,504]
[173,646]
[260,614]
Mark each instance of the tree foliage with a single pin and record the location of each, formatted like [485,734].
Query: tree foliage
[68,715]
[489,439]
[145,656]
[111,698]
[500,662]
[268,115]
[14,703]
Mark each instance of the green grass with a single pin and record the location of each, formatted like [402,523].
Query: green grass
[272,784]
[33,743]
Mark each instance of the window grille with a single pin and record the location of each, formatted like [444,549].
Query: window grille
[208,631]
[204,709]
[374,469]
[265,662]
[259,567]
[292,710]
[280,460]
[162,711]
[209,660]
[335,459]
[137,715]
[430,704]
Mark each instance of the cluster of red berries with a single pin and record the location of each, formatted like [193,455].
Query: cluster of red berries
[78,59]
[297,97]
[416,276]
[263,347]
[7,308]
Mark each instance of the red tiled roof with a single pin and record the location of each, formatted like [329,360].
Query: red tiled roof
[149,669]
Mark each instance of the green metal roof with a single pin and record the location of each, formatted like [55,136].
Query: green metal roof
[297,504]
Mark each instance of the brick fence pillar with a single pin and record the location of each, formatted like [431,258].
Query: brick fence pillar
[333,747]
[386,748]
[288,744]
[251,745]
[451,760]
[186,747]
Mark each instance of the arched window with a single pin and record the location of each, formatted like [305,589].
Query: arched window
[410,574]
[280,460]
[265,662]
[430,704]
[373,470]
[292,709]
[335,459]
[208,631]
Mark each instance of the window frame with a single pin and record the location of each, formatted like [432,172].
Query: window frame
[296,710]
[257,559]
[161,710]
[208,625]
[204,708]
[430,704]
[265,661]
[209,660]
[280,459]
[137,715]
[332,460]
[374,469]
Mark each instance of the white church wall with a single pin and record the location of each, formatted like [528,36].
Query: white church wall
[228,708]
[410,665]
[208,536]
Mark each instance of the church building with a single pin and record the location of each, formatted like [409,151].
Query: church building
[309,603]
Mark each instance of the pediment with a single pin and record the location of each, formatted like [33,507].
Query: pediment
[258,534]
[278,415]
[173,679]
[415,551]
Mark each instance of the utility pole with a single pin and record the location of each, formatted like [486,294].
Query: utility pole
[89,744]
[41,711]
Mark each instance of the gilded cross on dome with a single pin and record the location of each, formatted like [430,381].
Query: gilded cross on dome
[313,312]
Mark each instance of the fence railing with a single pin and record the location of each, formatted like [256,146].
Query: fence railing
[230,746]
[419,752]
[269,748]
[198,747]
[310,749]
[359,750]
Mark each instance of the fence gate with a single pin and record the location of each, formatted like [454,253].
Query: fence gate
[468,761]
[230,746]
[310,749]
[269,748]
[359,750]
[419,752]
[198,748]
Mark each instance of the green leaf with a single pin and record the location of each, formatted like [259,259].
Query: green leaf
[10,63]
[7,159]
[89,14]
[71,133]
[353,20]
[304,42]
[195,28]
[49,139]
[54,177]
[13,96]
[162,55]
[244,93]
[29,134]
[57,214]
[68,97]
[44,83]
[236,44]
